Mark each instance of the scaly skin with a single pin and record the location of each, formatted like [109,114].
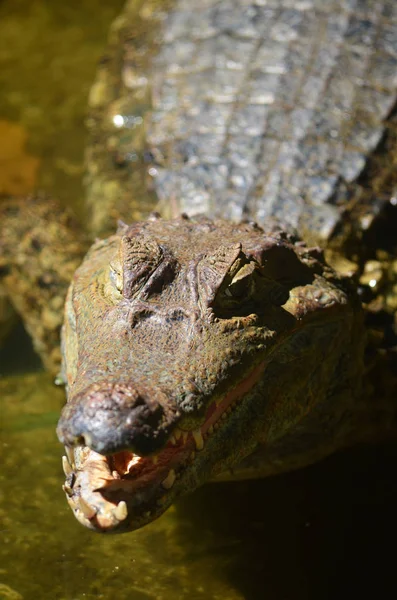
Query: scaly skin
[41,245]
[198,349]
[203,316]
[240,109]
[272,110]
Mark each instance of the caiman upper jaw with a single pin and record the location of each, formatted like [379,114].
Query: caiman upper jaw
[111,417]
[171,381]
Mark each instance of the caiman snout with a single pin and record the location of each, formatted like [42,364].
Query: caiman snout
[111,417]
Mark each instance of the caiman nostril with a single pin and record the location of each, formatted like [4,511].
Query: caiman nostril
[84,440]
[111,417]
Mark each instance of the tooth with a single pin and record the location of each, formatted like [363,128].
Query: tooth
[223,415]
[184,435]
[169,480]
[155,459]
[67,469]
[70,454]
[172,440]
[121,511]
[88,511]
[210,429]
[134,460]
[198,438]
[86,438]
[67,489]
[177,433]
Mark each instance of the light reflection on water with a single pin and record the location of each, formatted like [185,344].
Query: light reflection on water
[304,535]
[318,533]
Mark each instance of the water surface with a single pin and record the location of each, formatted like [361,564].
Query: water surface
[324,532]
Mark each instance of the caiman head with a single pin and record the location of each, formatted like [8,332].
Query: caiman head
[186,344]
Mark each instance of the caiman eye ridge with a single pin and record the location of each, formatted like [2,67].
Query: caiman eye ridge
[132,363]
[101,489]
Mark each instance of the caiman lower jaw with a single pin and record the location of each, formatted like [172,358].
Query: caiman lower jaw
[124,491]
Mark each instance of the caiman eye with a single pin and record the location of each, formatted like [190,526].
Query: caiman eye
[139,258]
[225,275]
[234,284]
[242,283]
[249,291]
[115,274]
[141,267]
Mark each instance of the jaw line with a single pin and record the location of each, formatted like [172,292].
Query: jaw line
[103,500]
[124,491]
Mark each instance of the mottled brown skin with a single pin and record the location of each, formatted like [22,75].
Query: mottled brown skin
[166,318]
[195,349]
[178,326]
[41,245]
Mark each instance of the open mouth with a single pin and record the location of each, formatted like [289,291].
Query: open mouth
[124,491]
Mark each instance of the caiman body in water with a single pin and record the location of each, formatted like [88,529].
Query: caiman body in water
[197,348]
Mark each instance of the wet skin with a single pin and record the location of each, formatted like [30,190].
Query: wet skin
[184,354]
[198,349]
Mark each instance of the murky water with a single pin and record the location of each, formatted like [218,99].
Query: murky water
[324,532]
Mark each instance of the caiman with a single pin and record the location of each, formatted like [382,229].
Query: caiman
[211,342]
